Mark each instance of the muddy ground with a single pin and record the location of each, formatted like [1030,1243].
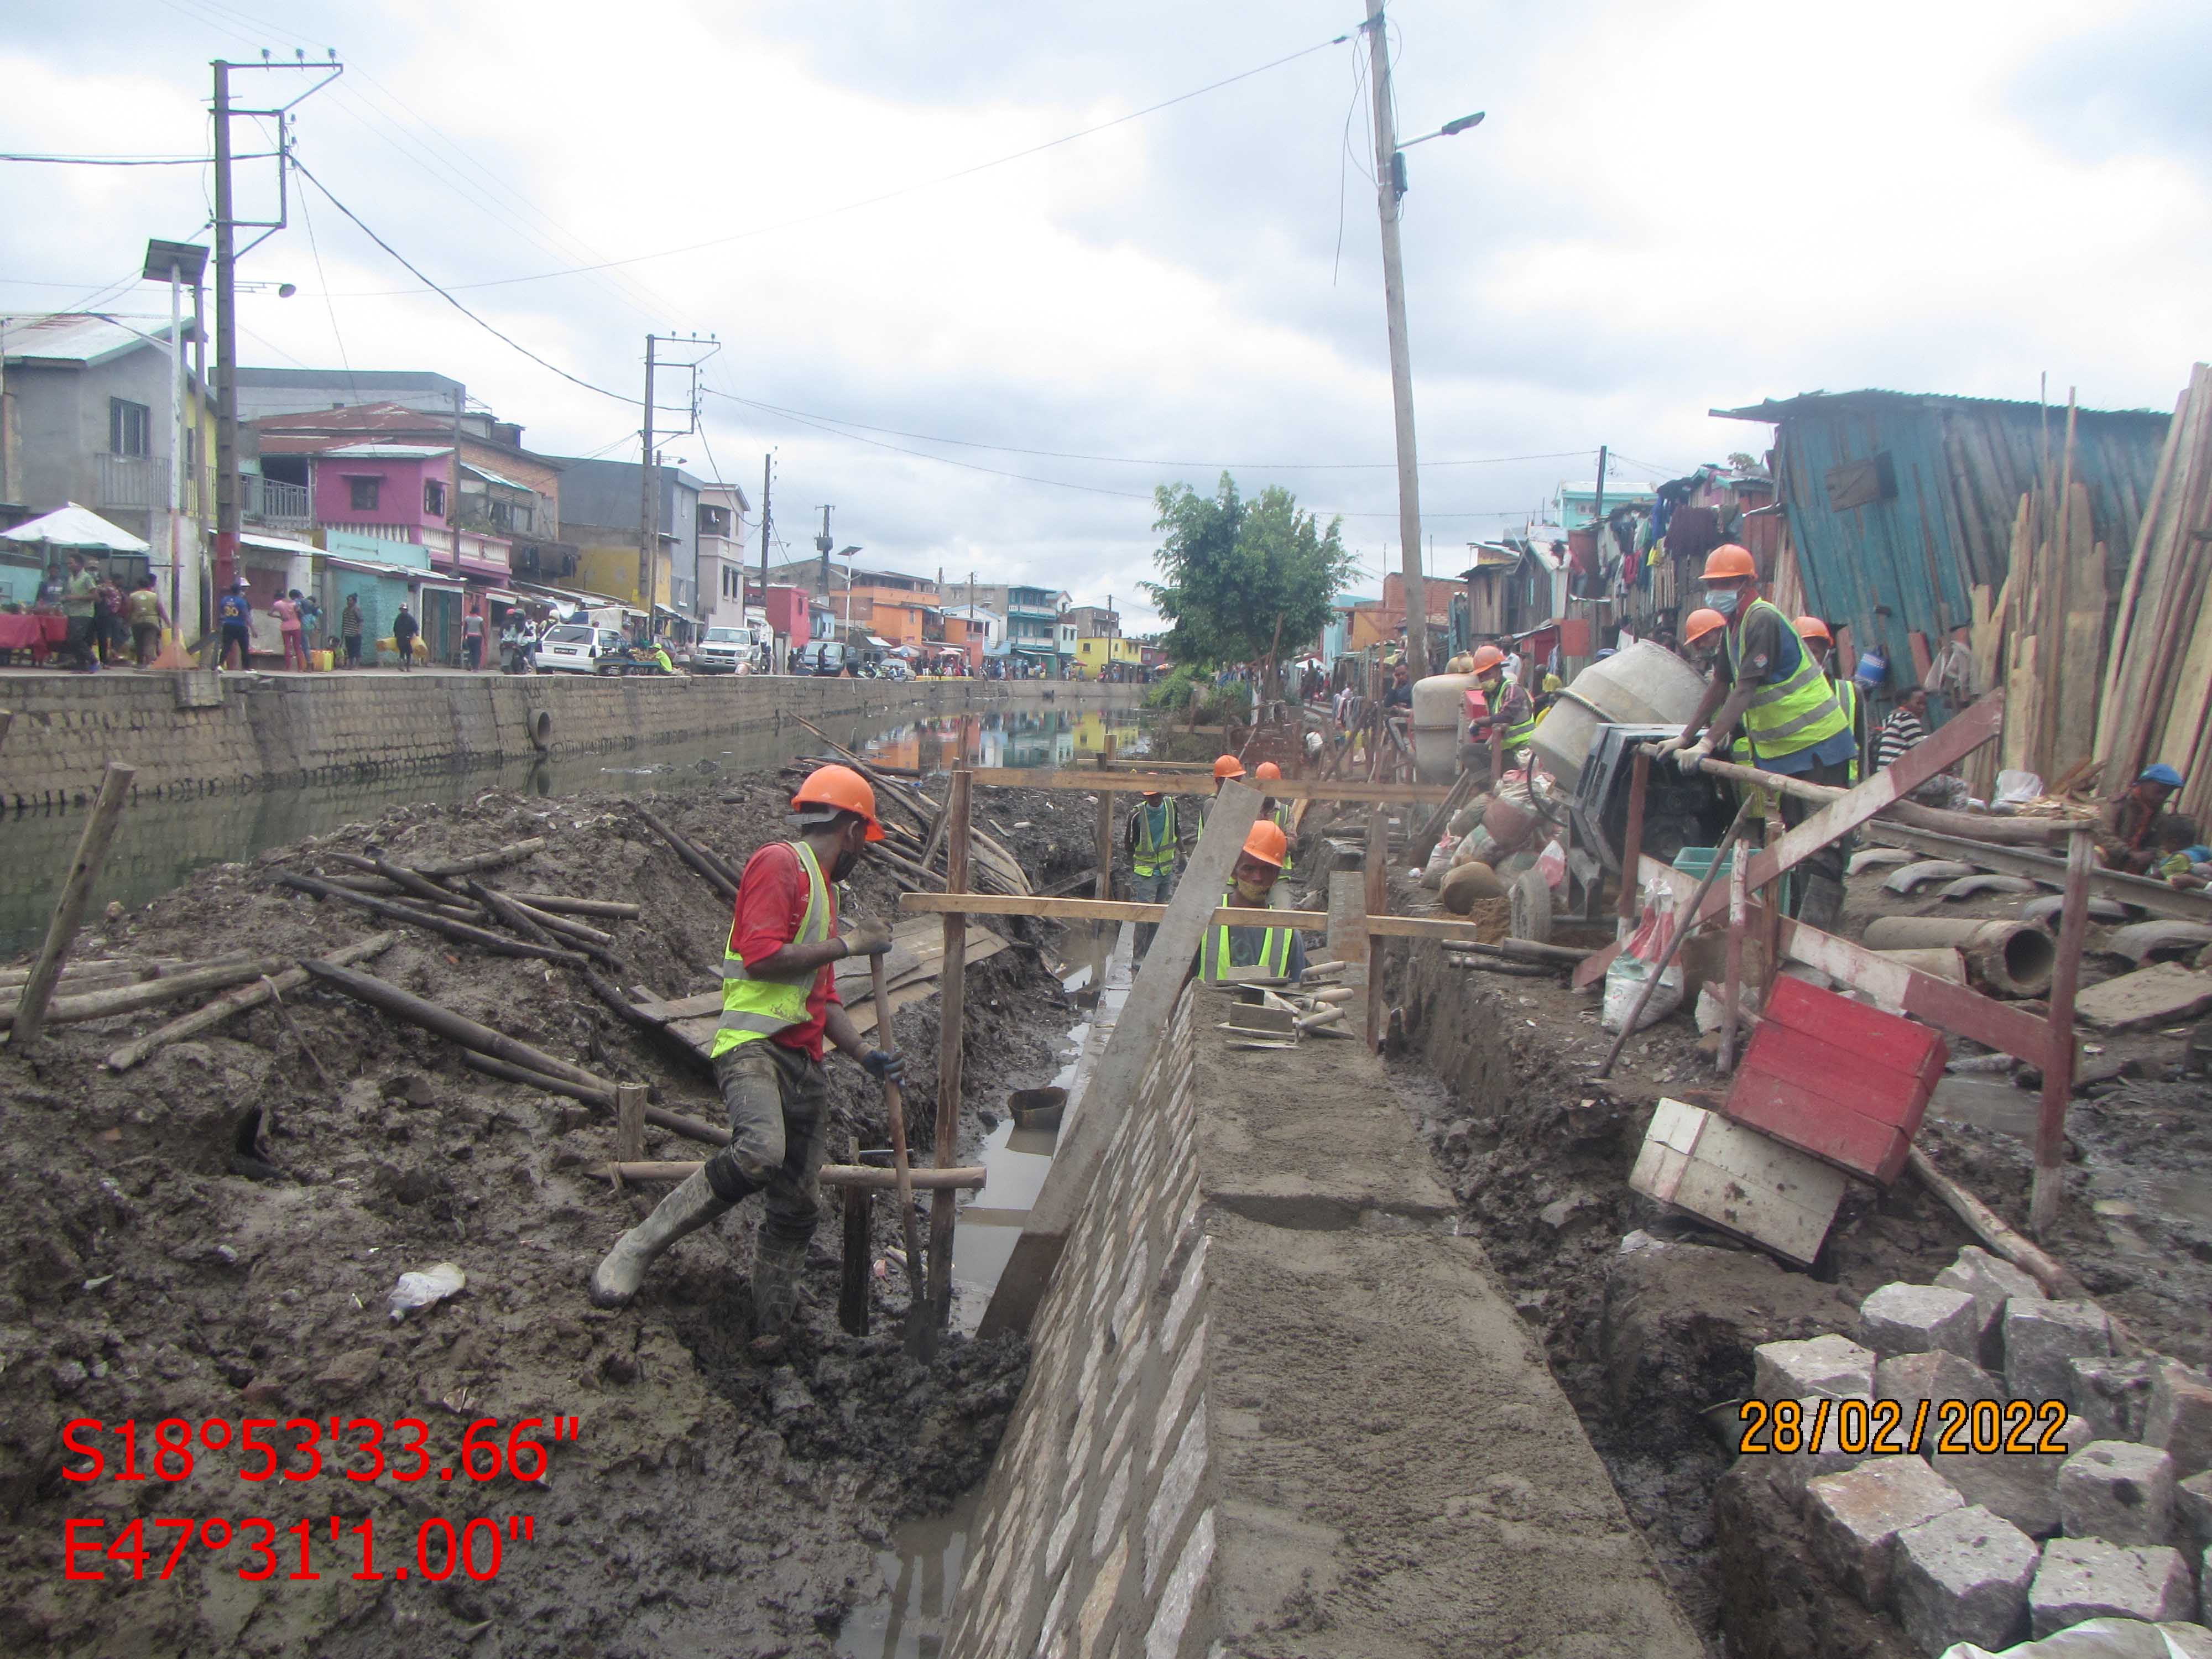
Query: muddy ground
[1497,1070]
[706,1503]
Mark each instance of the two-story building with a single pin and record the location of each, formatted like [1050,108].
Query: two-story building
[1100,658]
[1032,617]
[600,503]
[84,417]
[720,537]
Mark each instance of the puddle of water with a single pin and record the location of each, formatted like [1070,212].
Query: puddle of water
[922,1568]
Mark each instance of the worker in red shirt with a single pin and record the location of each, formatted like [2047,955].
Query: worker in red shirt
[779,1002]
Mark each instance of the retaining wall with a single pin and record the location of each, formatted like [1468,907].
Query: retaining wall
[200,732]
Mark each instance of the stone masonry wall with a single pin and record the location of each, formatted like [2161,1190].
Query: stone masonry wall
[196,734]
[1097,1532]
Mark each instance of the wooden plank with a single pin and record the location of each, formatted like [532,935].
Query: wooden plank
[98,834]
[2058,1077]
[1179,783]
[1873,1038]
[1113,1085]
[1938,1002]
[1952,741]
[1819,1125]
[952,1032]
[1112,910]
[865,1176]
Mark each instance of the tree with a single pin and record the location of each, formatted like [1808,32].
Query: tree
[1240,580]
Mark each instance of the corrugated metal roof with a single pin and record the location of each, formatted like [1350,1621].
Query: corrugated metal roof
[1876,398]
[1907,561]
[494,478]
[385,452]
[80,338]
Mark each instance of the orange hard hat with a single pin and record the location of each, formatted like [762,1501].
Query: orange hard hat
[1228,767]
[1267,770]
[1812,628]
[1698,623]
[1488,658]
[1268,843]
[1728,561]
[842,787]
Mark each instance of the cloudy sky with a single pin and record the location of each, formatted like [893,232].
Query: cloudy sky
[1668,208]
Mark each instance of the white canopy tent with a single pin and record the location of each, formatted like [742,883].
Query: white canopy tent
[78,529]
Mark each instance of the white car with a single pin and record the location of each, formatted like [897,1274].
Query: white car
[575,649]
[723,651]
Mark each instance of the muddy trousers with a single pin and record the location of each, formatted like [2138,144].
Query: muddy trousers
[1820,885]
[1155,889]
[779,1104]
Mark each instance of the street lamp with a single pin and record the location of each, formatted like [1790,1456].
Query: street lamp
[846,554]
[1449,130]
[179,262]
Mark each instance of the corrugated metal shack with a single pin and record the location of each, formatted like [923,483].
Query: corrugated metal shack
[1901,504]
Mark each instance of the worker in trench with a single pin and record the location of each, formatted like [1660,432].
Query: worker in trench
[1278,812]
[1763,678]
[1227,769]
[1272,952]
[1822,644]
[1512,711]
[1153,834]
[779,1003]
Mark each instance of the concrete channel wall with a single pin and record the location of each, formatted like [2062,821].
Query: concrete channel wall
[1277,1406]
[203,732]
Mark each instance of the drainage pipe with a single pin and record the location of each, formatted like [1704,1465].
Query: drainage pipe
[2010,958]
[541,729]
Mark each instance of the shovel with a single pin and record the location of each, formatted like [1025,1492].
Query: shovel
[920,1328]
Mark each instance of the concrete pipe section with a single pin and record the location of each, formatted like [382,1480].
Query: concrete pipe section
[541,729]
[2009,958]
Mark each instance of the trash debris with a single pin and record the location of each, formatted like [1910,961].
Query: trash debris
[425,1289]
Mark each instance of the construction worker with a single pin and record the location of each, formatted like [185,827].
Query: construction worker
[1763,676]
[1153,835]
[1227,769]
[1511,708]
[1271,953]
[2127,825]
[779,1002]
[1278,812]
[1822,644]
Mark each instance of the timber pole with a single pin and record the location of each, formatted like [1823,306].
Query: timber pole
[951,1020]
[77,893]
[2058,1062]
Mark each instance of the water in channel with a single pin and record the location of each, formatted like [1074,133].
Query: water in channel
[160,843]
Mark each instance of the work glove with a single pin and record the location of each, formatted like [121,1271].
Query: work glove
[1687,757]
[883,1065]
[869,939]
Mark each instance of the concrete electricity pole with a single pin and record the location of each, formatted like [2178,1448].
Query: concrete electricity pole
[649,516]
[823,544]
[1389,187]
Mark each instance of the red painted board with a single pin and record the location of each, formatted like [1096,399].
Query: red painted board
[1838,1074]
[1823,1127]
[1881,1039]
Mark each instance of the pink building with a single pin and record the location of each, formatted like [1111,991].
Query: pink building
[406,492]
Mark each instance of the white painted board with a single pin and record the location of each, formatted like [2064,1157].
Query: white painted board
[1738,1179]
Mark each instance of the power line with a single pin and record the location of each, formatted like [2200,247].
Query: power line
[329,304]
[487,328]
[128,160]
[904,190]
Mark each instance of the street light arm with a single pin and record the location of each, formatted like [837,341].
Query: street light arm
[1449,130]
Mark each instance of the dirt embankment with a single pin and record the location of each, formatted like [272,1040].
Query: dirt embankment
[706,1503]
[1644,1340]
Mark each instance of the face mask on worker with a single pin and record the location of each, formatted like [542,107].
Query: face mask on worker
[1255,892]
[849,854]
[1722,600]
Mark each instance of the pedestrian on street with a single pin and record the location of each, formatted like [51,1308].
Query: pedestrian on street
[81,605]
[779,1003]
[286,609]
[311,621]
[472,637]
[234,612]
[404,630]
[148,618]
[108,629]
[349,629]
[1154,837]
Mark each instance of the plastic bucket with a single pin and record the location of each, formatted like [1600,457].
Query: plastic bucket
[1697,861]
[1874,668]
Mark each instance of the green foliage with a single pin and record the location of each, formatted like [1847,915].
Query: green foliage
[1175,689]
[1243,581]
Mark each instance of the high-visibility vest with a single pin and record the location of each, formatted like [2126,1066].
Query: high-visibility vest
[1275,960]
[1282,817]
[756,1008]
[1517,734]
[1847,699]
[1795,712]
[1151,856]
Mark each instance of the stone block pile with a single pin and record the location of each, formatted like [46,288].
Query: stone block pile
[1971,1546]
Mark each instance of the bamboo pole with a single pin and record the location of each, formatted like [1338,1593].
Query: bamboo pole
[2059,1068]
[512,852]
[561,904]
[867,1176]
[693,861]
[629,1122]
[92,844]
[460,932]
[1988,1226]
[250,996]
[920,1328]
[455,1028]
[951,1030]
[153,993]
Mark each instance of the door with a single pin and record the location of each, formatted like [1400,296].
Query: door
[441,626]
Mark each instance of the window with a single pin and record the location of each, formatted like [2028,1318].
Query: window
[362,494]
[129,425]
[434,495]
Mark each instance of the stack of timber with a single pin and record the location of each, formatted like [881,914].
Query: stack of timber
[913,831]
[2158,674]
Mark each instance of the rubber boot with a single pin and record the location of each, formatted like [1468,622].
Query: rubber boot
[1823,905]
[777,1266]
[683,1211]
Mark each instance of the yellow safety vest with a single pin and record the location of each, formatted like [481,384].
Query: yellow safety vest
[1151,857]
[1517,734]
[1794,712]
[756,1008]
[1282,817]
[1847,698]
[1274,961]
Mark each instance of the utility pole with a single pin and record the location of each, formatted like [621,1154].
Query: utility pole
[649,516]
[227,224]
[767,480]
[1389,173]
[823,544]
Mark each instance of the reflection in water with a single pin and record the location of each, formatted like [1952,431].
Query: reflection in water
[922,1568]
[161,842]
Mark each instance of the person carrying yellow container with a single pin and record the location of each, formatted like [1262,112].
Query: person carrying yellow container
[1268,952]
[1763,676]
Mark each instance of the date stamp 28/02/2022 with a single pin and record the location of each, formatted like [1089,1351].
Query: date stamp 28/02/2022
[1885,1428]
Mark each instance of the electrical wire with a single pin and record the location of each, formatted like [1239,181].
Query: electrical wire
[128,160]
[329,304]
[904,190]
[496,333]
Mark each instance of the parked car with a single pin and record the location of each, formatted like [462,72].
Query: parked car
[824,657]
[723,651]
[575,649]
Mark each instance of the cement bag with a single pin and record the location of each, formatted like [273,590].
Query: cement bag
[1477,847]
[1639,957]
[1552,864]
[1440,861]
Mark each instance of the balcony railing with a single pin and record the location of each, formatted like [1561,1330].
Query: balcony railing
[272,502]
[133,481]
